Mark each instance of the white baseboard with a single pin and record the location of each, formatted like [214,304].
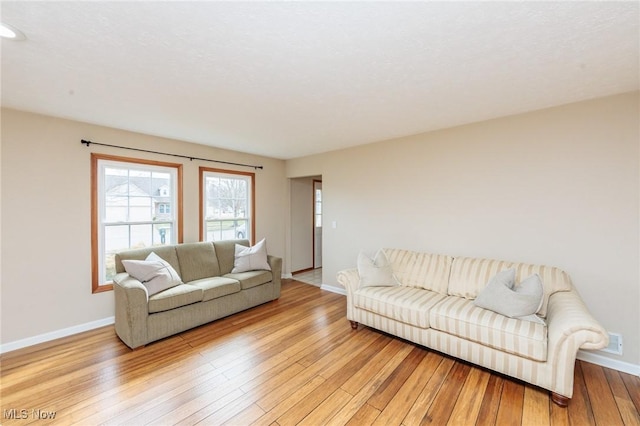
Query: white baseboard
[594,358]
[287,276]
[334,289]
[53,335]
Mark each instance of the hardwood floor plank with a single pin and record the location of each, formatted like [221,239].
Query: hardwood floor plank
[181,405]
[535,410]
[560,416]
[390,356]
[158,398]
[490,401]
[394,382]
[444,402]
[605,410]
[71,385]
[123,386]
[511,403]
[467,407]
[632,383]
[295,360]
[579,409]
[284,403]
[246,416]
[397,408]
[327,408]
[366,415]
[335,378]
[623,399]
[418,411]
[216,412]
[363,390]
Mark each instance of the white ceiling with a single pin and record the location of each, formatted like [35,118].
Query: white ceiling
[288,79]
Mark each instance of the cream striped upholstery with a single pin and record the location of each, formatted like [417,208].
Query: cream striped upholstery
[406,304]
[423,270]
[470,275]
[534,372]
[542,356]
[462,318]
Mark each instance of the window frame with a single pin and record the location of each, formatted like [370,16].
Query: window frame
[251,199]
[96,223]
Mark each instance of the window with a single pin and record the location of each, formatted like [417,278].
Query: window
[317,211]
[226,205]
[132,204]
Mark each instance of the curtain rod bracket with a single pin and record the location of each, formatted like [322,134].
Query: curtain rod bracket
[87,143]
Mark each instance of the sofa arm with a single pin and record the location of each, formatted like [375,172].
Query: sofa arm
[276,270]
[132,310]
[570,327]
[350,280]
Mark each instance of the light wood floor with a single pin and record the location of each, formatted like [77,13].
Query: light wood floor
[292,361]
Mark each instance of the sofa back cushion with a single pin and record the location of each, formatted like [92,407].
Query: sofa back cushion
[423,270]
[470,275]
[167,253]
[226,252]
[197,260]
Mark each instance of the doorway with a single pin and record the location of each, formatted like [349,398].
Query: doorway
[306,229]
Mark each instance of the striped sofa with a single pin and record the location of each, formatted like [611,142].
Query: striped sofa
[433,307]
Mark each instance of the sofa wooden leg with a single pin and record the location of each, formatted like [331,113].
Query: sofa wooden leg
[561,400]
[354,325]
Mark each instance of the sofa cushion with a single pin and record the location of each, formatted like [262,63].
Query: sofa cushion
[406,304]
[215,287]
[513,300]
[180,295]
[197,260]
[376,272]
[251,258]
[251,278]
[470,275]
[460,317]
[226,252]
[424,270]
[155,273]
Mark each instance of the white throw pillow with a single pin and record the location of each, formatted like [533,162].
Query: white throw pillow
[376,272]
[251,258]
[155,273]
[515,301]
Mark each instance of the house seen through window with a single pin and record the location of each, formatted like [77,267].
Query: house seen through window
[135,205]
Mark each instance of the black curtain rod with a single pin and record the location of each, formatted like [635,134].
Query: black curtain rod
[87,143]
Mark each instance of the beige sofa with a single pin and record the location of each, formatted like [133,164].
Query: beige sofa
[433,306]
[210,291]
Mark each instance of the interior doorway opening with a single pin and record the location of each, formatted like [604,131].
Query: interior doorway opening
[306,229]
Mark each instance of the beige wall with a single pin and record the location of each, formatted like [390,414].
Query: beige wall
[46,284]
[558,186]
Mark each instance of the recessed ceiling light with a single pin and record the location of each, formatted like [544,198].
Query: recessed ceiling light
[11,33]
